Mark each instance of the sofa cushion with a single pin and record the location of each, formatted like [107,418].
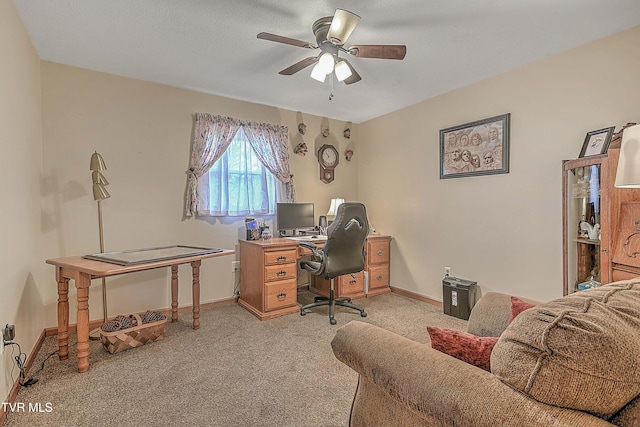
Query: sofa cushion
[518,306]
[578,352]
[464,346]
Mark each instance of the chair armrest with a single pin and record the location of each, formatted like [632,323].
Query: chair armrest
[490,316]
[441,389]
[315,250]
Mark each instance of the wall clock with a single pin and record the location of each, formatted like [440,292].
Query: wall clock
[328,159]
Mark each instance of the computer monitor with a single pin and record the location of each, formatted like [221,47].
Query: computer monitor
[294,216]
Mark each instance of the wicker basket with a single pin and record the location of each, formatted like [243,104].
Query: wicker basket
[124,339]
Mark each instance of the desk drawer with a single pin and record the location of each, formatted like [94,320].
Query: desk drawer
[281,257]
[280,294]
[378,252]
[619,274]
[378,277]
[273,273]
[351,284]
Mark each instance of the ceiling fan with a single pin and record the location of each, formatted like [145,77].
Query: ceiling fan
[331,33]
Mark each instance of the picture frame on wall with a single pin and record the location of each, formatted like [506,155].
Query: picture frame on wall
[476,148]
[596,142]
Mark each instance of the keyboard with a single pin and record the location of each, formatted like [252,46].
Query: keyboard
[308,238]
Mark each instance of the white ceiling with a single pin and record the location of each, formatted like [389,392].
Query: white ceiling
[211,46]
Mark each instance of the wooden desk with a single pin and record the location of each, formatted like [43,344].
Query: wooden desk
[269,273]
[83,270]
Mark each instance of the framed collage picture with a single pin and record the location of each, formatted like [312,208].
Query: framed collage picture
[476,148]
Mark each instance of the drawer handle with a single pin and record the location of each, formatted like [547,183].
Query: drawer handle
[352,282]
[281,296]
[281,258]
[380,252]
[281,273]
[379,277]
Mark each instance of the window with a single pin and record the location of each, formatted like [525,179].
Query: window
[250,179]
[239,184]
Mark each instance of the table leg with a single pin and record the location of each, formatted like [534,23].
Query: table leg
[174,293]
[63,314]
[195,266]
[83,281]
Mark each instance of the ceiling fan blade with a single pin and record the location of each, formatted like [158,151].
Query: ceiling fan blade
[354,77]
[286,40]
[342,25]
[389,51]
[299,66]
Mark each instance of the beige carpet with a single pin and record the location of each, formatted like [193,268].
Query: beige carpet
[234,371]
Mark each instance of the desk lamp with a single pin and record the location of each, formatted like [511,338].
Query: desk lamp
[333,209]
[99,194]
[628,173]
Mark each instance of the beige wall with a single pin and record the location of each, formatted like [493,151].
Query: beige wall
[503,231]
[21,162]
[143,131]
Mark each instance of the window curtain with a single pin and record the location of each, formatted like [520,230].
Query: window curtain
[212,136]
[270,143]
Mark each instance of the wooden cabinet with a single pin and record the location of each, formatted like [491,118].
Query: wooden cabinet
[623,261]
[589,195]
[378,264]
[268,277]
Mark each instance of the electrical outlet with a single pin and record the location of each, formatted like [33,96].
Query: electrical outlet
[235,266]
[9,332]
[447,271]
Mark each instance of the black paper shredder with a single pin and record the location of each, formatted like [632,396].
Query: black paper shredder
[459,296]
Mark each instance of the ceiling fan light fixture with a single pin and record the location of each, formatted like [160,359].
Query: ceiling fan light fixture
[317,73]
[326,62]
[342,25]
[343,71]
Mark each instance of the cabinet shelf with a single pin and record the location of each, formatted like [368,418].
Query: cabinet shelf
[588,241]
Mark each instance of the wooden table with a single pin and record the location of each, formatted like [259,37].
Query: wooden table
[82,270]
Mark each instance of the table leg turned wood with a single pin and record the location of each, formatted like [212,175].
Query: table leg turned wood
[63,314]
[195,266]
[83,281]
[174,293]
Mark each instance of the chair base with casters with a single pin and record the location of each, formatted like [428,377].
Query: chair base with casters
[332,301]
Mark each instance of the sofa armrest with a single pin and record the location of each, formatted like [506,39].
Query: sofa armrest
[490,316]
[442,390]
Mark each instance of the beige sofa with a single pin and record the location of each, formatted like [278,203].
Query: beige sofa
[574,361]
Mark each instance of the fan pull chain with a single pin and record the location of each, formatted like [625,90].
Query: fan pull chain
[331,94]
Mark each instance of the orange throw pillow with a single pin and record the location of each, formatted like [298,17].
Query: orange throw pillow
[518,306]
[462,345]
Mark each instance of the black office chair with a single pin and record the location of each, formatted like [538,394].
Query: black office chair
[343,253]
